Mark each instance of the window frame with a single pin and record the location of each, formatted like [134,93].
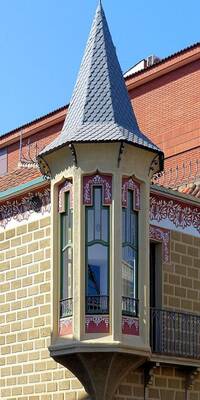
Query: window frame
[65,208]
[93,242]
[130,185]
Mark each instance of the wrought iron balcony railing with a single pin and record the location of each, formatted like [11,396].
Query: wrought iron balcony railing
[130,306]
[175,333]
[97,304]
[66,308]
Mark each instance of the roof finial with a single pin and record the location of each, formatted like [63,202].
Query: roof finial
[100,4]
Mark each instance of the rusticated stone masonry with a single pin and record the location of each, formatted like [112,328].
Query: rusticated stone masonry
[26,370]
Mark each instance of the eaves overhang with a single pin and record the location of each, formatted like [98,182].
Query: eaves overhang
[156,152]
[170,193]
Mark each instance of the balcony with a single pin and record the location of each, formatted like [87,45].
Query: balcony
[66,308]
[97,304]
[130,306]
[175,333]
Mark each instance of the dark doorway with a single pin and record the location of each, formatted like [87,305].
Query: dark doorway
[155,275]
[155,296]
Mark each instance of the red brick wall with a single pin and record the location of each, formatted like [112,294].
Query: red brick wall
[168,110]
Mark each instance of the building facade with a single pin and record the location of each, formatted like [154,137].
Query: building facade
[100,249]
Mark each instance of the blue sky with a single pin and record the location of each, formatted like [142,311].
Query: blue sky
[42,43]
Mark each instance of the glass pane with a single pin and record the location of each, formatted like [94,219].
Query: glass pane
[129,257]
[66,225]
[129,268]
[66,274]
[123,225]
[90,224]
[97,276]
[134,229]
[97,206]
[105,222]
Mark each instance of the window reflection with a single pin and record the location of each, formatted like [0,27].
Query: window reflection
[66,284]
[97,255]
[129,257]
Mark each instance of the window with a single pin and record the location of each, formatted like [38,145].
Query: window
[66,286]
[129,257]
[3,161]
[97,255]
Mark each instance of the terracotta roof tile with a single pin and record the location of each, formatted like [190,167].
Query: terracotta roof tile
[18,177]
[192,190]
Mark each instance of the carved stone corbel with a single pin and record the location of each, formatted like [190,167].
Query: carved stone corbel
[149,369]
[44,167]
[154,167]
[121,150]
[73,152]
[190,376]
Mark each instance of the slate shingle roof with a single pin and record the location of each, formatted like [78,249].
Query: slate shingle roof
[100,109]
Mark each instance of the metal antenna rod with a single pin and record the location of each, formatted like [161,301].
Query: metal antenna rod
[20,146]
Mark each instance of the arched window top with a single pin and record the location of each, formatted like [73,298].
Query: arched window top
[131,184]
[89,181]
[64,187]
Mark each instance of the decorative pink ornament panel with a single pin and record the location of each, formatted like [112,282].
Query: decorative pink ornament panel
[130,326]
[97,180]
[66,186]
[97,324]
[65,326]
[130,184]
[161,235]
[181,215]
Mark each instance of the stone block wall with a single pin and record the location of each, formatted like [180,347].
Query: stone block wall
[26,370]
[168,383]
[181,277]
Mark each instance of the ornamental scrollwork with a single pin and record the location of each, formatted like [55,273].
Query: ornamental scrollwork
[21,208]
[97,180]
[130,184]
[161,235]
[66,186]
[180,214]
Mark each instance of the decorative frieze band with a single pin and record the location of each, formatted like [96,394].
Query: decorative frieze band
[130,326]
[23,207]
[175,213]
[66,186]
[97,180]
[65,326]
[130,184]
[97,324]
[161,235]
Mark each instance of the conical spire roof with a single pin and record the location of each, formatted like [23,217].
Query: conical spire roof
[100,109]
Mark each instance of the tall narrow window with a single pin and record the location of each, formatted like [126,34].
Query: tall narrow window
[97,255]
[129,258]
[66,284]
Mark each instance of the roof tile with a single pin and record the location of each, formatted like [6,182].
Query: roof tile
[18,177]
